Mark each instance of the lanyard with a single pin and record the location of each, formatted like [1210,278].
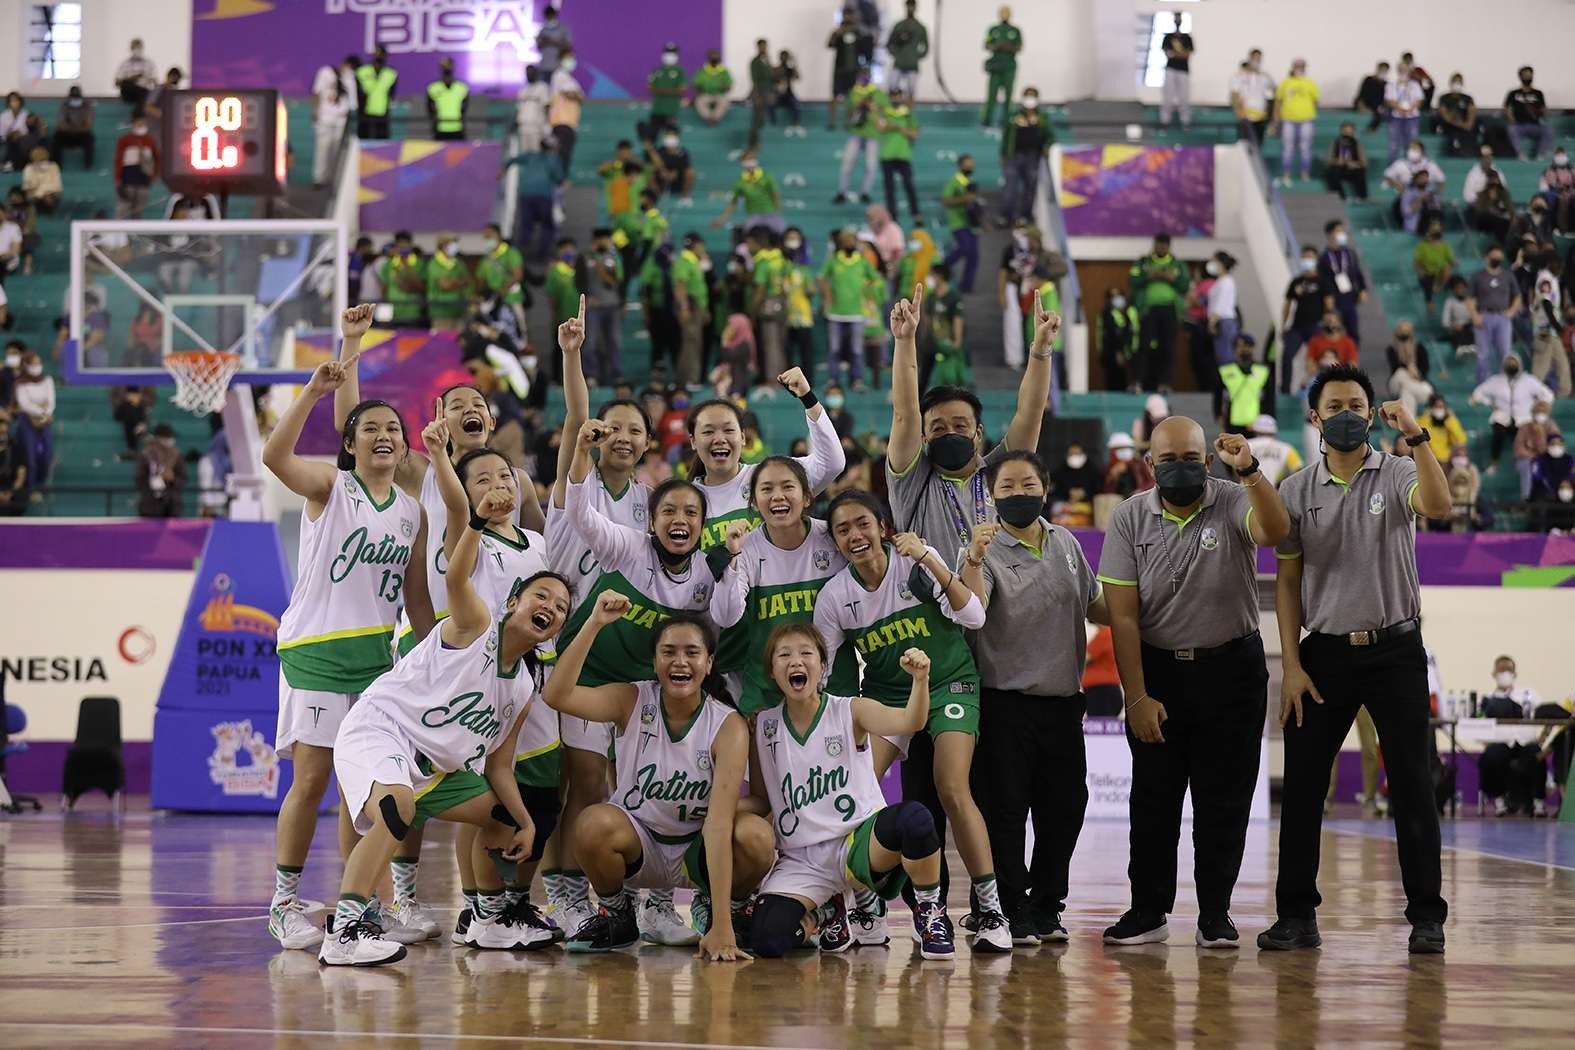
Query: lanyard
[959,519]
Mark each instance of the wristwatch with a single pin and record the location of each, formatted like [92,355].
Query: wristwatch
[1252,468]
[1421,439]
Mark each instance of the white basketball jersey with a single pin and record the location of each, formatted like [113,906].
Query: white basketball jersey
[571,555]
[455,705]
[820,787]
[665,781]
[335,635]
[539,732]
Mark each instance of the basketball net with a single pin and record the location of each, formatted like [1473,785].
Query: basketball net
[202,378]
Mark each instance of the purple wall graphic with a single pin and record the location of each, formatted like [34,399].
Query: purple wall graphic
[428,187]
[408,369]
[1132,191]
[282,43]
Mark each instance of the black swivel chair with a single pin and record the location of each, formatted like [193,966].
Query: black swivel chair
[94,760]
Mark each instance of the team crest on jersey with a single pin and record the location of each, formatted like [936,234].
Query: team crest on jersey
[647,715]
[639,513]
[702,594]
[1376,504]
[508,713]
[834,745]
[904,591]
[703,760]
[1071,563]
[822,560]
[407,527]
[770,732]
[492,642]
[350,484]
[1208,541]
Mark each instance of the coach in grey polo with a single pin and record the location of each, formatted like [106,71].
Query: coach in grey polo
[1179,569]
[1347,573]
[935,477]
[1037,588]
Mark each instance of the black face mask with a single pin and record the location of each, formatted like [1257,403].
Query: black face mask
[667,557]
[951,451]
[1345,431]
[1181,483]
[1019,511]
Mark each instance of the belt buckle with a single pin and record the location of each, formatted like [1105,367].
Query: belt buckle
[1186,654]
[1362,637]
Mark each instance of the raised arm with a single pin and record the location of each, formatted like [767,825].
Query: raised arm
[1431,497]
[309,479]
[1034,391]
[455,502]
[902,447]
[871,717]
[730,754]
[1268,523]
[563,692]
[576,397]
[973,573]
[353,324]
[826,458]
[612,543]
[962,605]
[416,595]
[730,596]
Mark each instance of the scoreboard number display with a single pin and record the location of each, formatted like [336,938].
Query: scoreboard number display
[225,141]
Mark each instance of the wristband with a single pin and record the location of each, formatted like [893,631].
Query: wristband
[809,399]
[717,559]
[1420,439]
[477,522]
[1252,468]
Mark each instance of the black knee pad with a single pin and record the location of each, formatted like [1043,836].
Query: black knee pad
[507,870]
[777,926]
[907,828]
[500,813]
[396,824]
[543,806]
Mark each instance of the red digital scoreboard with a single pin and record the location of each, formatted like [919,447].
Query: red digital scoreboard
[225,141]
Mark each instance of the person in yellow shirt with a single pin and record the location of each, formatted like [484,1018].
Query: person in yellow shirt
[1296,109]
[1444,427]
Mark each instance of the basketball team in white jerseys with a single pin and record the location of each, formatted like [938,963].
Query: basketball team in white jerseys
[639,692]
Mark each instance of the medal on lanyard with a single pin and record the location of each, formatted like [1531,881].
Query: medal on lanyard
[964,529]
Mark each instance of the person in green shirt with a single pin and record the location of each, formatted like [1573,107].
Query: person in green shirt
[947,362]
[692,302]
[800,288]
[1159,285]
[845,65]
[501,272]
[1001,44]
[762,90]
[377,81]
[1244,382]
[768,298]
[758,193]
[565,281]
[960,199]
[653,225]
[666,84]
[447,101]
[875,295]
[1433,260]
[908,42]
[404,278]
[843,280]
[866,102]
[712,83]
[898,127]
[449,286]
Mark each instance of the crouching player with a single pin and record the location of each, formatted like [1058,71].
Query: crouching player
[834,831]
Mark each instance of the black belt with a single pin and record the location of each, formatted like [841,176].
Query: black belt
[1204,654]
[1363,639]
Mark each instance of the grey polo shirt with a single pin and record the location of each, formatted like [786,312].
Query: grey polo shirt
[1197,579]
[943,511]
[1033,640]
[1493,291]
[1357,542]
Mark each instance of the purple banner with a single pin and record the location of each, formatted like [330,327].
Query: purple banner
[279,44]
[1481,559]
[408,369]
[428,187]
[1132,191]
[151,544]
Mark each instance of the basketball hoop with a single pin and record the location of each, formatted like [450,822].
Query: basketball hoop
[202,378]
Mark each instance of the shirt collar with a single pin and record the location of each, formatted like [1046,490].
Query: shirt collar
[1012,541]
[1211,487]
[1322,473]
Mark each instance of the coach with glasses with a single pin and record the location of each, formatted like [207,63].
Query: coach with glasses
[1347,573]
[1179,567]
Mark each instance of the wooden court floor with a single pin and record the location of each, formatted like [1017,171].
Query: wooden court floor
[149,931]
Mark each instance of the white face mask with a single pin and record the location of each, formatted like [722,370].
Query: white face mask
[12,360]
[1455,85]
[670,142]
[1212,268]
[1565,495]
[1125,454]
[1413,155]
[793,245]
[1539,417]
[1555,451]
[1342,238]
[451,248]
[1030,102]
[567,65]
[35,370]
[1309,265]
[1561,160]
[528,361]
[490,244]
[669,59]
[1504,679]
[1076,461]
[1119,302]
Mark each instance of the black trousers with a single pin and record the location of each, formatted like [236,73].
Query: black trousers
[890,172]
[1347,182]
[371,127]
[1157,346]
[918,785]
[801,348]
[1215,709]
[1390,680]
[1030,760]
[1514,772]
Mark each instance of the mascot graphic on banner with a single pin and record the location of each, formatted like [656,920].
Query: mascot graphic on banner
[259,777]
